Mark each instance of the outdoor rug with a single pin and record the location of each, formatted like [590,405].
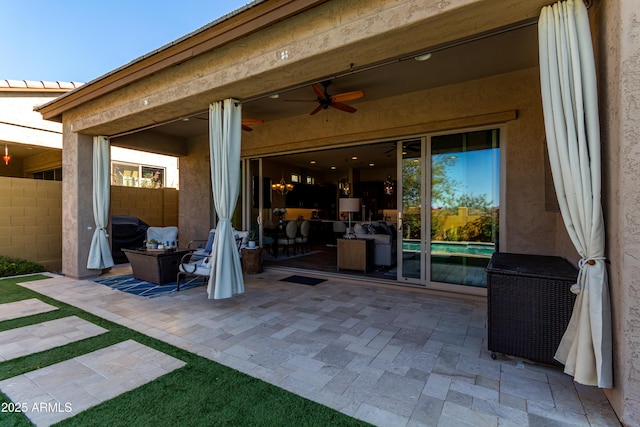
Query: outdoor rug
[303,280]
[131,285]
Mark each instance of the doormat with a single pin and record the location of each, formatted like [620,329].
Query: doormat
[311,281]
[131,285]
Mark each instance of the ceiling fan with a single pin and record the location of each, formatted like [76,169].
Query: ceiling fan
[247,122]
[325,100]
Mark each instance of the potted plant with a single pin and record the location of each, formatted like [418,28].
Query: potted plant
[153,244]
[253,237]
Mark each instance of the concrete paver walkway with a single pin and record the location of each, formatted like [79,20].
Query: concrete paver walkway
[60,391]
[392,356]
[27,307]
[44,336]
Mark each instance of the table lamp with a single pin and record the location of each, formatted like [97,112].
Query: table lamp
[349,205]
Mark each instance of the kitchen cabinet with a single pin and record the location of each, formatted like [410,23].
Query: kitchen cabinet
[308,196]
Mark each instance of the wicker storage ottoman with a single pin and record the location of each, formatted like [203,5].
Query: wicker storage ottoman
[529,304]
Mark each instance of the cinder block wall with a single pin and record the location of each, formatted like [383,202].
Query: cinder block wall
[156,207]
[31,216]
[31,220]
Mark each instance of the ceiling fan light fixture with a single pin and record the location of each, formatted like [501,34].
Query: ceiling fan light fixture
[423,57]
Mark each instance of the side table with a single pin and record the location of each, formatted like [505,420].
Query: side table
[251,260]
[355,254]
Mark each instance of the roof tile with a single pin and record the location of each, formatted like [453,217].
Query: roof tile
[38,85]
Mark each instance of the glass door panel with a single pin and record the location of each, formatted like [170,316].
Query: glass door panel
[464,206]
[259,200]
[411,248]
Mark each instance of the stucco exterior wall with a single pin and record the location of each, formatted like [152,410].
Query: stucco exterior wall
[17,108]
[527,226]
[619,65]
[196,215]
[320,42]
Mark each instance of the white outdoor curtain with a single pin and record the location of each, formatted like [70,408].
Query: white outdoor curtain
[224,148]
[100,251]
[570,104]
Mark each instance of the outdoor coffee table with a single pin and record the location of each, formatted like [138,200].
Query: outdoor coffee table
[155,265]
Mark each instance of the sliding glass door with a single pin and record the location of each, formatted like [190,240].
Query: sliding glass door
[450,182]
[412,250]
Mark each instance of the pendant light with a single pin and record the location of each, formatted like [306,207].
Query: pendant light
[282,187]
[388,186]
[6,156]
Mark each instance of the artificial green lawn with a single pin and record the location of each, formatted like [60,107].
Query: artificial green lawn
[202,393]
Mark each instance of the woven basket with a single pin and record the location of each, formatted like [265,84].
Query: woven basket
[252,261]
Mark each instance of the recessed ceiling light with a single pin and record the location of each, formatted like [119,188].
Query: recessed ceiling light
[354,157]
[372,164]
[313,162]
[274,96]
[333,167]
[423,57]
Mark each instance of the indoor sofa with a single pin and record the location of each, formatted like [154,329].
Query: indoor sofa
[384,252]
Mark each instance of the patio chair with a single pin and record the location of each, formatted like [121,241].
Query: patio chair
[163,235]
[202,248]
[189,267]
[198,262]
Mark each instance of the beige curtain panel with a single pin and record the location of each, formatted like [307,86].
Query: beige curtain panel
[224,149]
[570,104]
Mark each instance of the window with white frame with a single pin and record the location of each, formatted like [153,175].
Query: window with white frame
[136,175]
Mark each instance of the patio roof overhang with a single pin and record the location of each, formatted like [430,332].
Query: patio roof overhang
[240,57]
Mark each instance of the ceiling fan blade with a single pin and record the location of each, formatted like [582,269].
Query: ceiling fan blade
[343,107]
[318,108]
[252,121]
[347,96]
[319,92]
[246,128]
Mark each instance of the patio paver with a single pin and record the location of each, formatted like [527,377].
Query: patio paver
[44,336]
[60,391]
[27,307]
[390,355]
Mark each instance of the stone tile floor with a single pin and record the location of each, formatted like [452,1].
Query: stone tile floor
[392,356]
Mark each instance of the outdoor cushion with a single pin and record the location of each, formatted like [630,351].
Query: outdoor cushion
[201,267]
[163,234]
